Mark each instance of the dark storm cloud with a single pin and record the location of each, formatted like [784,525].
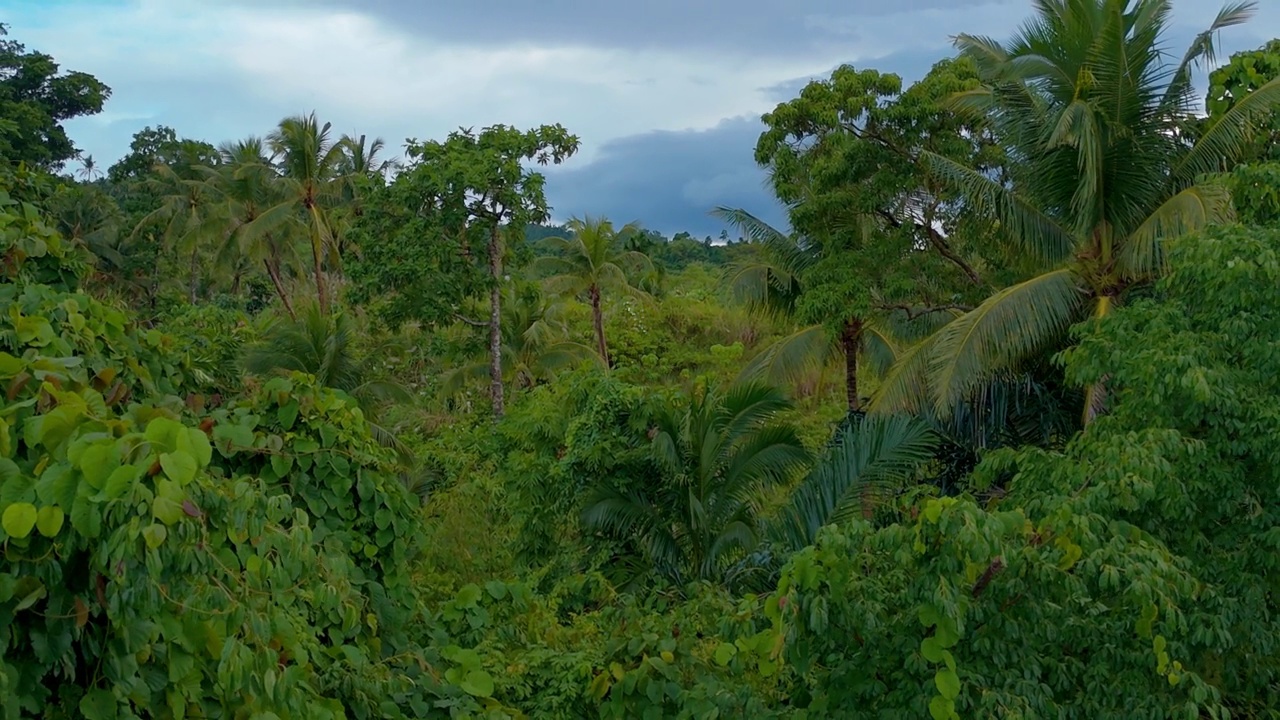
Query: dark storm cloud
[670,180]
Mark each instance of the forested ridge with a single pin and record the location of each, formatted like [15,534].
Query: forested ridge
[293,428]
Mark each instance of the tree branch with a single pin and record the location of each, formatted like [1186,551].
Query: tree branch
[469,321]
[938,241]
[913,313]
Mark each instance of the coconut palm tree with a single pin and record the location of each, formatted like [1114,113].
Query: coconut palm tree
[89,170]
[589,262]
[248,184]
[535,344]
[361,157]
[190,212]
[717,452]
[310,166]
[771,281]
[1093,118]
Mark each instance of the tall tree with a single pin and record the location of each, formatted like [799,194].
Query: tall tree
[591,260]
[138,187]
[1094,118]
[310,166]
[89,170]
[249,185]
[874,237]
[34,102]
[189,213]
[478,181]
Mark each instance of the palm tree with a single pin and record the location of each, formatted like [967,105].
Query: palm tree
[535,344]
[361,157]
[190,213]
[716,453]
[250,187]
[89,170]
[310,166]
[1094,120]
[868,460]
[771,282]
[324,346]
[590,261]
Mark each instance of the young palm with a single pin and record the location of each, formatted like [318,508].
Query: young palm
[310,166]
[1093,118]
[249,186]
[716,452]
[324,345]
[535,345]
[589,262]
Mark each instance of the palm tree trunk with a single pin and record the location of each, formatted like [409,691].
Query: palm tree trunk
[1095,396]
[597,320]
[317,256]
[195,270]
[495,322]
[851,343]
[274,273]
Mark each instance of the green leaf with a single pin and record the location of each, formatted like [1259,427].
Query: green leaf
[948,683]
[931,650]
[85,516]
[155,535]
[98,704]
[200,447]
[288,414]
[941,708]
[96,464]
[497,589]
[18,519]
[725,653]
[166,510]
[32,596]
[468,595]
[179,466]
[49,520]
[10,365]
[282,464]
[120,482]
[477,683]
[161,433]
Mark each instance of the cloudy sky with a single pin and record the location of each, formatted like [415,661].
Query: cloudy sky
[665,94]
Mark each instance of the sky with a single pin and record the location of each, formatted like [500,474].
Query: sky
[666,95]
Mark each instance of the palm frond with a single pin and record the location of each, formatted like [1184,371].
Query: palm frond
[803,351]
[1226,138]
[1028,226]
[1006,328]
[1203,50]
[871,456]
[1192,209]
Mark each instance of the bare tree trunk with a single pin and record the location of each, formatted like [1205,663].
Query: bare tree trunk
[274,273]
[597,319]
[495,322]
[851,342]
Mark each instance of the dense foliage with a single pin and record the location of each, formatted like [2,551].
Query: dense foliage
[289,430]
